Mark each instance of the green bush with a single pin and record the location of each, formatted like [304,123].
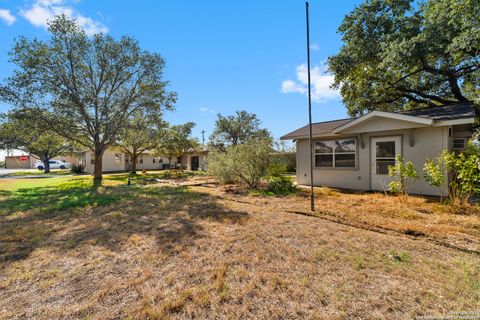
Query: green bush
[435,174]
[287,159]
[77,168]
[276,169]
[247,162]
[281,185]
[403,173]
[463,170]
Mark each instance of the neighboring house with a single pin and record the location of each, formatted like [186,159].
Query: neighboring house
[356,153]
[115,160]
[27,161]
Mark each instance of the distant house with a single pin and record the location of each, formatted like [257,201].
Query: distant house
[28,161]
[115,160]
[356,153]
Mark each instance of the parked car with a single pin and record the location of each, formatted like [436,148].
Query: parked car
[54,164]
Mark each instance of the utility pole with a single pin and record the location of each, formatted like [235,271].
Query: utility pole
[203,138]
[312,196]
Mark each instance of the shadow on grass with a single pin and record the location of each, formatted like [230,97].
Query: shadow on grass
[69,216]
[50,198]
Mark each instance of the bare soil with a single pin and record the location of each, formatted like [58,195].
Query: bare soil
[209,252]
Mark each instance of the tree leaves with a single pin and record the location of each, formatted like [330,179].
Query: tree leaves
[400,55]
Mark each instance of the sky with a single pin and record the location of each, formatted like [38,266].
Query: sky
[221,56]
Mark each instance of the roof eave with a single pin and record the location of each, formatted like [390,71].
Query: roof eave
[383,114]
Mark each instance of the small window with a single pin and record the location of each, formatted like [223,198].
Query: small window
[92,158]
[141,160]
[153,160]
[160,160]
[459,143]
[335,153]
[118,158]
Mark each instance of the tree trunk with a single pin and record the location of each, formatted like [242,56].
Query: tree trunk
[134,163]
[46,165]
[97,170]
[476,124]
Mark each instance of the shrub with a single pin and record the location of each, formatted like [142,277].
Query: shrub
[403,173]
[463,169]
[287,159]
[281,185]
[247,162]
[276,169]
[435,174]
[77,168]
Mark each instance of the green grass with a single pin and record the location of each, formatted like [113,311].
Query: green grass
[53,172]
[56,193]
[49,193]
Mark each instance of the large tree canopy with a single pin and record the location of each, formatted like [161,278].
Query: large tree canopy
[141,132]
[176,141]
[237,129]
[401,54]
[89,85]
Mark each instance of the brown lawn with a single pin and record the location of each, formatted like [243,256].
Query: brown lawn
[157,252]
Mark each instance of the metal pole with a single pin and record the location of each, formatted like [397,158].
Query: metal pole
[312,196]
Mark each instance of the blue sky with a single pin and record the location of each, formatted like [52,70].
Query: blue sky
[221,55]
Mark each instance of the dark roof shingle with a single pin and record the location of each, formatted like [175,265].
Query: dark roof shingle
[318,128]
[450,112]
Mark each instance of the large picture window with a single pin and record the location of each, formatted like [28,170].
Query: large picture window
[336,153]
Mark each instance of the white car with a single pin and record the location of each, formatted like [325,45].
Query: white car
[54,164]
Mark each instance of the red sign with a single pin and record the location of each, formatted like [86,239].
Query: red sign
[23,158]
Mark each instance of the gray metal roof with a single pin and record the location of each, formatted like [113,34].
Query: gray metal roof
[450,112]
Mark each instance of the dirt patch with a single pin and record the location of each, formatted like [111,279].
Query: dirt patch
[211,252]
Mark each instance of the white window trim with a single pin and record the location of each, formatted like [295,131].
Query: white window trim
[333,154]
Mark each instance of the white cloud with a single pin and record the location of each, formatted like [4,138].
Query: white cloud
[42,11]
[7,17]
[321,82]
[314,47]
[203,109]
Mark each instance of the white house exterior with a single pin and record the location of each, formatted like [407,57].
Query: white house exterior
[355,153]
[114,161]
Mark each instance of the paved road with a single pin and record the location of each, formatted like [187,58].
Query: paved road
[6,172]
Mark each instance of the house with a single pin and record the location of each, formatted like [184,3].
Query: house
[356,153]
[115,160]
[28,161]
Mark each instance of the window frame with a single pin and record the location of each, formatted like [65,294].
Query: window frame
[117,158]
[459,138]
[333,153]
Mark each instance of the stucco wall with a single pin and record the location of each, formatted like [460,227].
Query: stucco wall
[201,160]
[148,163]
[428,143]
[14,162]
[109,163]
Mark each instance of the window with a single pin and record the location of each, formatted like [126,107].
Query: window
[153,160]
[335,153]
[141,160]
[458,143]
[385,156]
[118,158]
[92,158]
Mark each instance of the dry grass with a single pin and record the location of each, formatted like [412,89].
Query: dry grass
[204,252]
